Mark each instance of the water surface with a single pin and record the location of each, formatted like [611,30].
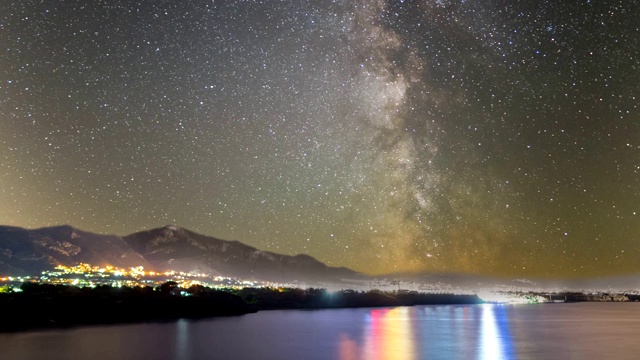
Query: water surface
[547,331]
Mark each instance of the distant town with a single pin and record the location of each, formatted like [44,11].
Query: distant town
[87,275]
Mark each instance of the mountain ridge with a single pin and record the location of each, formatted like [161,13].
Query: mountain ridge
[30,251]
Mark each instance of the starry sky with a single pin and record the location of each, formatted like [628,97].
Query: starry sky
[487,137]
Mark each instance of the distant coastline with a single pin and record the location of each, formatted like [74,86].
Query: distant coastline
[46,306]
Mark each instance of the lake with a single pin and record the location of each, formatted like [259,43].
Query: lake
[544,331]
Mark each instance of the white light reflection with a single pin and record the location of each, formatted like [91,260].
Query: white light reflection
[495,338]
[182,340]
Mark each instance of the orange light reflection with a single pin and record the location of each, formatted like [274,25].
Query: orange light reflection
[389,335]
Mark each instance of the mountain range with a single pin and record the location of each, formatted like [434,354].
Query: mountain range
[29,252]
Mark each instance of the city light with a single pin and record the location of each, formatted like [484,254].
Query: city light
[88,275]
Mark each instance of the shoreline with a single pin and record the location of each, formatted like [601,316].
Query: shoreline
[42,307]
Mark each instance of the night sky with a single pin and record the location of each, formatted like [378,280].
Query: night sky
[489,137]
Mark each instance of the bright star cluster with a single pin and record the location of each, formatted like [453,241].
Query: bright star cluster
[486,137]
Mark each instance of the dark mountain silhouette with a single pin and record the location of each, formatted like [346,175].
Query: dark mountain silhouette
[183,250]
[24,251]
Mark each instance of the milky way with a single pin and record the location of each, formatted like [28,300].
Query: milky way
[489,137]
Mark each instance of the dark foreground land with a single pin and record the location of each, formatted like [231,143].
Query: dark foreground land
[51,306]
[42,306]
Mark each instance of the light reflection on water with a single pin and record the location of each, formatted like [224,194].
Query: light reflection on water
[567,331]
[466,332]
[494,335]
[389,334]
[182,340]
